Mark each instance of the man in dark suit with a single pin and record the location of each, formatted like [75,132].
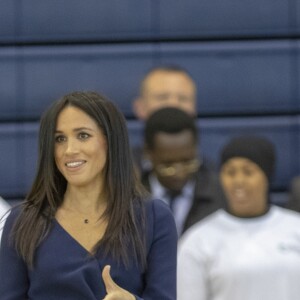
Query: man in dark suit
[178,176]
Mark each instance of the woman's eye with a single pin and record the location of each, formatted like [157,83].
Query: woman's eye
[83,135]
[59,139]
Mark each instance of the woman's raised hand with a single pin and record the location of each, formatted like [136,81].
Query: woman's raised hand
[114,292]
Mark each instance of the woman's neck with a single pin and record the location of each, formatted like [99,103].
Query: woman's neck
[84,201]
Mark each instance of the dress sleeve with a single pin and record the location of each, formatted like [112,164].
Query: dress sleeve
[160,280]
[192,280]
[13,271]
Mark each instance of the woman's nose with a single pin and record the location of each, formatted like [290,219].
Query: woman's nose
[72,147]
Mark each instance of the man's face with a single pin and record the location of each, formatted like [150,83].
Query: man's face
[174,158]
[166,89]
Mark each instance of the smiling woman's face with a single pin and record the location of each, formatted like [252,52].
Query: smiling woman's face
[80,148]
[245,186]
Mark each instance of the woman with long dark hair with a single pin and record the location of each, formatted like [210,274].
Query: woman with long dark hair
[87,230]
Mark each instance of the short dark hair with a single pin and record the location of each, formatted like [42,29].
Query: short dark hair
[168,120]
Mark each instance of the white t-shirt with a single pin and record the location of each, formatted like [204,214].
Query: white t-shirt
[224,257]
[4,207]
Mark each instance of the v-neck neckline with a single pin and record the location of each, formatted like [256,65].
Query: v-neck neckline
[73,239]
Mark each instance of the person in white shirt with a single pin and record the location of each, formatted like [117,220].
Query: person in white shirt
[251,249]
[4,207]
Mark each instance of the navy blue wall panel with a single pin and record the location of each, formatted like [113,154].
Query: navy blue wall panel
[297,74]
[232,78]
[297,146]
[239,77]
[226,18]
[18,155]
[214,133]
[7,19]
[135,130]
[9,83]
[38,75]
[296,8]
[69,20]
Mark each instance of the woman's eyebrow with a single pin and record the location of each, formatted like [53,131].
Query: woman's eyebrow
[76,129]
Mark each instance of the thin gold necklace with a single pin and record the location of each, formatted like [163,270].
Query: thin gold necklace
[85,219]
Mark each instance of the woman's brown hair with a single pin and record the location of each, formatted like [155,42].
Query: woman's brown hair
[125,209]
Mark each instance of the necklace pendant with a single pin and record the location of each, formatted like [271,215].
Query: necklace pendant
[86,221]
